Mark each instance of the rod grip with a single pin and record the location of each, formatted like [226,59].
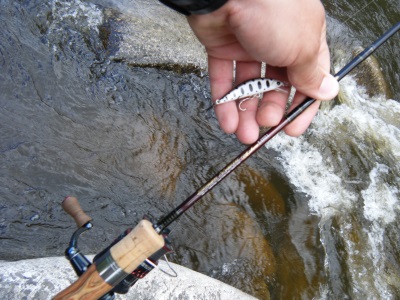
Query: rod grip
[127,255]
[71,206]
[137,246]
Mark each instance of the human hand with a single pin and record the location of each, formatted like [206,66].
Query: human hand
[289,35]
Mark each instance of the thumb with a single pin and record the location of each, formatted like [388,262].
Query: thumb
[324,86]
[312,77]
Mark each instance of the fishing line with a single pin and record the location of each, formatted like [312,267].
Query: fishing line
[360,10]
[156,266]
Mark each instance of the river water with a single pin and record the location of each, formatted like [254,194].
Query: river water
[309,217]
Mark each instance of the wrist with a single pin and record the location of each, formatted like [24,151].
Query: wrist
[197,7]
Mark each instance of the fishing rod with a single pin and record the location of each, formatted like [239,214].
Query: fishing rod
[181,209]
[136,252]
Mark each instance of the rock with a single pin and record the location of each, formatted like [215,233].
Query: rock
[43,278]
[370,76]
[146,33]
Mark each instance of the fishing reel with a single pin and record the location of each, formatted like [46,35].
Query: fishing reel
[81,263]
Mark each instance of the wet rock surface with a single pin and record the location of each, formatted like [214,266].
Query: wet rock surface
[146,33]
[45,277]
[371,77]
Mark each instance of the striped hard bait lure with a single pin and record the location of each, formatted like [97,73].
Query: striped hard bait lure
[250,89]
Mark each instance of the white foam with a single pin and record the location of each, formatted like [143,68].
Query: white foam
[380,199]
[381,207]
[312,174]
[372,128]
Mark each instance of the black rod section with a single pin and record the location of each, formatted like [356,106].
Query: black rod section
[367,52]
[161,225]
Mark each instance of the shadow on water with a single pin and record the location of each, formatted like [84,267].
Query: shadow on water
[131,140]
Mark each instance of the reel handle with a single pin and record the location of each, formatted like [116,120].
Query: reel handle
[72,207]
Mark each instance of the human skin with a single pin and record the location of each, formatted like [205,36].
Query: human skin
[288,35]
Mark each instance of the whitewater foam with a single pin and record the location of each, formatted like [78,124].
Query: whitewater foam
[380,198]
[312,174]
[369,127]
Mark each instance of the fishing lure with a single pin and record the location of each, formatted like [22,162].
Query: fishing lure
[251,89]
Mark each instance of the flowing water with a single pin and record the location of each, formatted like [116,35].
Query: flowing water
[309,217]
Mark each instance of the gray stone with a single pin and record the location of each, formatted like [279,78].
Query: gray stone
[43,278]
[145,32]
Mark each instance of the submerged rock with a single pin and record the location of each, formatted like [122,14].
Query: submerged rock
[370,76]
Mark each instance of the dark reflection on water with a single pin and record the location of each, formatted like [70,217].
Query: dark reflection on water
[126,141]
[130,141]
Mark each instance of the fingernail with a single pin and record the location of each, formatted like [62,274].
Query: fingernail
[329,88]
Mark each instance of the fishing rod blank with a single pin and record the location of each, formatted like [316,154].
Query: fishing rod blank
[129,254]
[189,202]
